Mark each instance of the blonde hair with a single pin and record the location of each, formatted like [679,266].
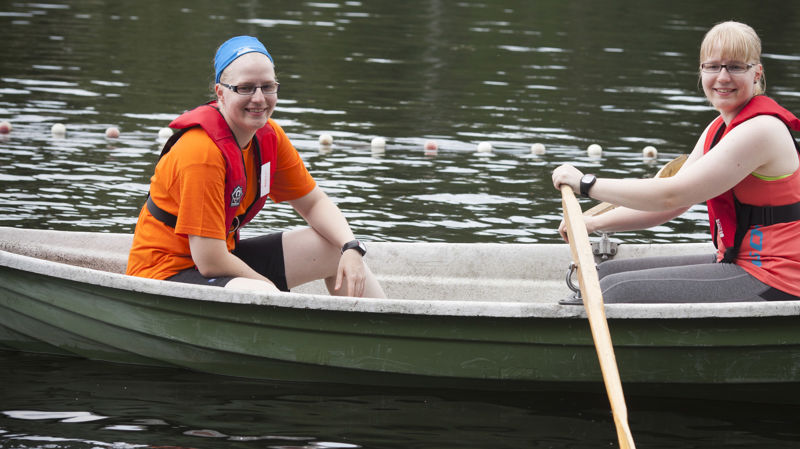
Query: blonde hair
[738,42]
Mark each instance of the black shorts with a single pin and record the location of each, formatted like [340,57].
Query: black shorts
[264,254]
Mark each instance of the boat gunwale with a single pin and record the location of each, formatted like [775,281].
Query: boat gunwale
[465,308]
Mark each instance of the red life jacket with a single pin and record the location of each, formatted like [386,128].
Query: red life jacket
[722,210]
[210,119]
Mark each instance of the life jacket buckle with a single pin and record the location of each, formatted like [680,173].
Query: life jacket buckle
[235,225]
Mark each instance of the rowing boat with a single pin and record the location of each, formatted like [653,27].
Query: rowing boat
[466,315]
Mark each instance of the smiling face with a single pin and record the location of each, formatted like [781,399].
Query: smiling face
[245,114]
[731,43]
[730,92]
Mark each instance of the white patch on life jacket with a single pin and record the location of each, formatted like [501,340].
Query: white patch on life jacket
[236,196]
[265,179]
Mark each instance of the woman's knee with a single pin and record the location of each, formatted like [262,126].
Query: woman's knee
[617,289]
[255,285]
[308,256]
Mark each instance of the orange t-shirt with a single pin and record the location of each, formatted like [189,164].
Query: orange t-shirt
[189,182]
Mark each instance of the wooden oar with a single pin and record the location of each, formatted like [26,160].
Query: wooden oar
[593,302]
[669,169]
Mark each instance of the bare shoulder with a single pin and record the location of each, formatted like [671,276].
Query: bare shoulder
[764,131]
[766,125]
[775,145]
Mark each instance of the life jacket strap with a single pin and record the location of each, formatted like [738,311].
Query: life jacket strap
[171,220]
[748,216]
[160,214]
[756,215]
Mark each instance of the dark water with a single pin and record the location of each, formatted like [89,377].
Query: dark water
[513,73]
[64,403]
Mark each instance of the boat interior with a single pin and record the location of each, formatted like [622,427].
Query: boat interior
[429,271]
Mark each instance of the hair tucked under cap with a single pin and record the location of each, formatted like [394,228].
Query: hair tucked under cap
[235,47]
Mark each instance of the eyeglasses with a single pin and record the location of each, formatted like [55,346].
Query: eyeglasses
[266,89]
[732,68]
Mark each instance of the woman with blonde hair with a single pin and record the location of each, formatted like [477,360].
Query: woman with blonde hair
[745,165]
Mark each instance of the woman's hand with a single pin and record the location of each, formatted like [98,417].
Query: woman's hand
[569,175]
[564,174]
[588,220]
[352,271]
[562,230]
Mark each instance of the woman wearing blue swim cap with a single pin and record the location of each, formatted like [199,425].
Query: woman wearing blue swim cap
[217,172]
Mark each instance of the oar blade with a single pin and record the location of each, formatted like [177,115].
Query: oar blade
[672,167]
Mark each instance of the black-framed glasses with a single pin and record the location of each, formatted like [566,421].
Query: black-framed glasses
[266,89]
[733,67]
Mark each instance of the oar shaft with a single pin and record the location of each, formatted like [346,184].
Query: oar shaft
[593,302]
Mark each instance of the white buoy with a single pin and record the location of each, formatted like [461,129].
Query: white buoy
[378,146]
[5,127]
[112,132]
[58,129]
[538,149]
[649,152]
[378,142]
[325,149]
[164,133]
[594,150]
[326,139]
[484,147]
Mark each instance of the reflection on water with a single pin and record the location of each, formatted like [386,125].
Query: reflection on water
[510,73]
[52,402]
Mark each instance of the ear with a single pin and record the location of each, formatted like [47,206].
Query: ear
[219,90]
[759,72]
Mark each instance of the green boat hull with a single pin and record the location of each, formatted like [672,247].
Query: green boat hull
[58,308]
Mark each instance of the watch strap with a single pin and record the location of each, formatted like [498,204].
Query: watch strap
[356,245]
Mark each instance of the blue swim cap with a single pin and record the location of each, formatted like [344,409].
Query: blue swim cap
[235,47]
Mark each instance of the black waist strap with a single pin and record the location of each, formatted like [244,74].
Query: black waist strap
[160,214]
[748,216]
[769,215]
[171,220]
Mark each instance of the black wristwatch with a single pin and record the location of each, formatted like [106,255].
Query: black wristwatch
[356,245]
[587,181]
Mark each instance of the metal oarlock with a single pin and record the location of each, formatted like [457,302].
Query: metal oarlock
[572,269]
[604,247]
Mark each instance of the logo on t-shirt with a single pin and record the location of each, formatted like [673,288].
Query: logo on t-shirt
[236,196]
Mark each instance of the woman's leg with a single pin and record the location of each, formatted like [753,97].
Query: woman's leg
[308,257]
[668,281]
[264,254]
[643,263]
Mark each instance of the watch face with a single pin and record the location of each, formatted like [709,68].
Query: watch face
[587,181]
